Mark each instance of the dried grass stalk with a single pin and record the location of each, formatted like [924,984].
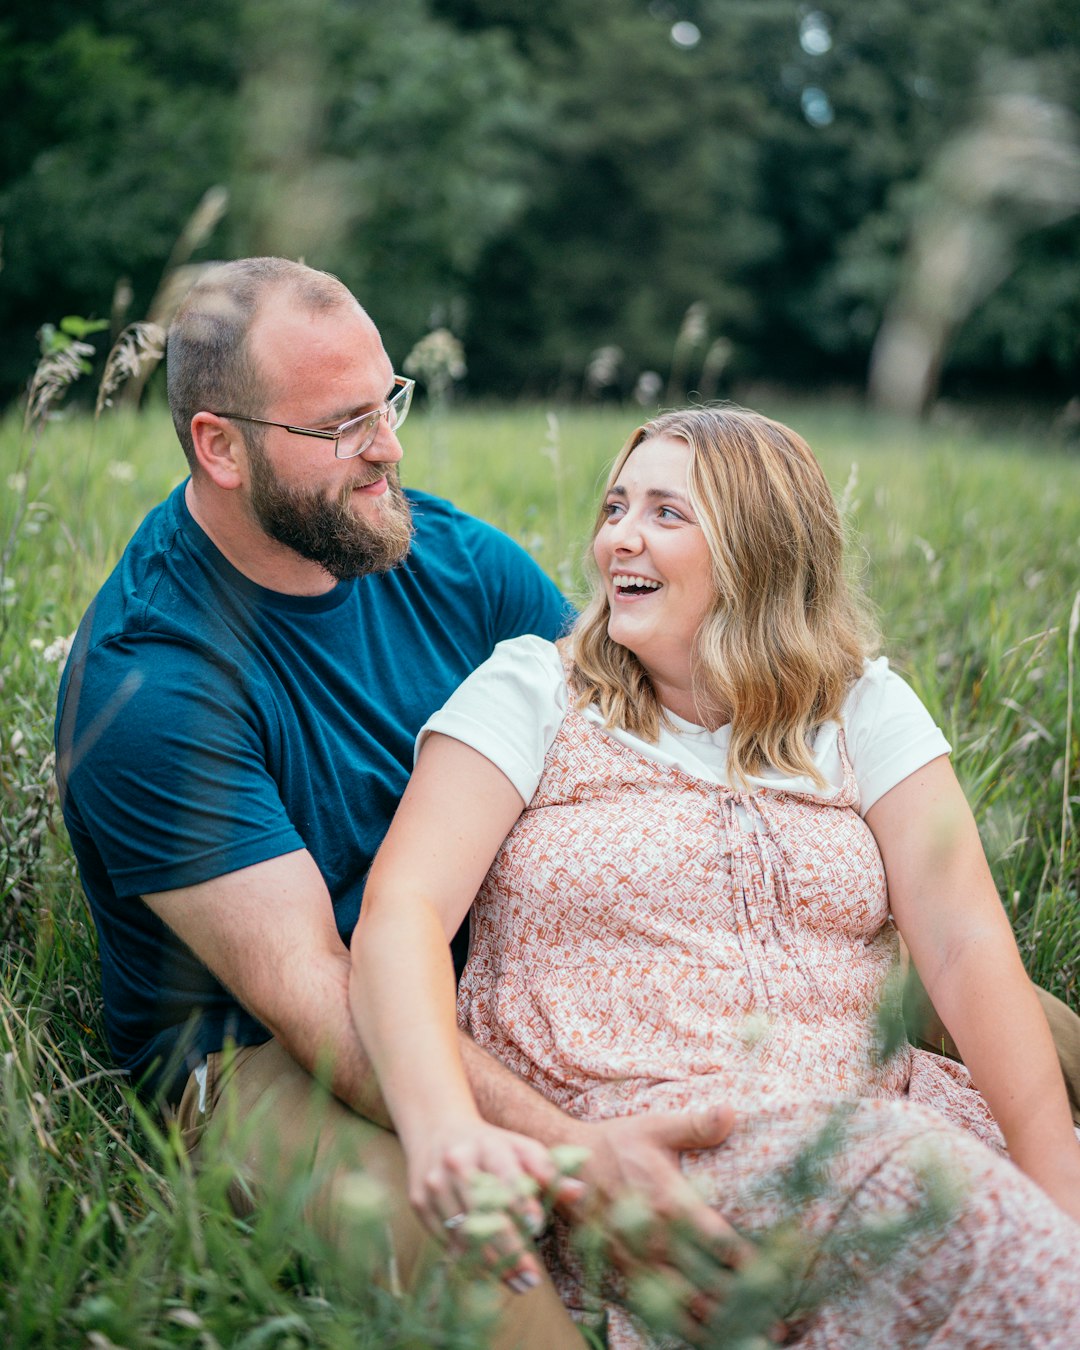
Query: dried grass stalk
[200,225]
[135,353]
[54,373]
[175,285]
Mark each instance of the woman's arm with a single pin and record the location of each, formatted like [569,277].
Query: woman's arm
[947,909]
[456,811]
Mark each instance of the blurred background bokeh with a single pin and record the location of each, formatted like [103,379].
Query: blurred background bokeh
[601,201]
[560,214]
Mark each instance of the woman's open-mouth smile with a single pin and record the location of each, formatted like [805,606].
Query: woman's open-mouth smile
[631,586]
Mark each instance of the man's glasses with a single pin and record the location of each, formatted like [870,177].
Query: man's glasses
[353,437]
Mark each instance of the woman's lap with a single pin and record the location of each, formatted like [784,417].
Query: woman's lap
[921,1229]
[918,1230]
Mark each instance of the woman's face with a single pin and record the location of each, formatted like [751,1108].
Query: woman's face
[654,563]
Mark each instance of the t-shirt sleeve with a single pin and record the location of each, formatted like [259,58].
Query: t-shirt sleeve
[888,732]
[509,709]
[166,768]
[521,598]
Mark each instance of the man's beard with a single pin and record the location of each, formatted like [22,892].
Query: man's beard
[328,531]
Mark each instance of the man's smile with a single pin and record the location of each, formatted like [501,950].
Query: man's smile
[373,489]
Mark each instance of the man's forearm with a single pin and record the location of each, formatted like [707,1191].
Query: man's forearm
[338,1056]
[505,1099]
[318,1032]
[502,1097]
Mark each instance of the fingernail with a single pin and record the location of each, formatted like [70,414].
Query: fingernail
[521,1284]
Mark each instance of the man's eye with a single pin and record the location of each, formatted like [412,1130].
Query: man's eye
[356,423]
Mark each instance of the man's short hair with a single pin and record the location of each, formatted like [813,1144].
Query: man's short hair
[209,367]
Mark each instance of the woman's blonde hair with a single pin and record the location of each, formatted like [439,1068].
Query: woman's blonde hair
[787,633]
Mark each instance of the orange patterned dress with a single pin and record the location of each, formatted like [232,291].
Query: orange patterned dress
[647,940]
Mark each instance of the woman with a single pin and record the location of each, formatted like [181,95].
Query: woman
[679,830]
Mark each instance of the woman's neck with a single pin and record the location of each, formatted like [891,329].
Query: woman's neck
[680,699]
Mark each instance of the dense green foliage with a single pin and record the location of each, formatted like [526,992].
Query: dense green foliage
[545,180]
[969,546]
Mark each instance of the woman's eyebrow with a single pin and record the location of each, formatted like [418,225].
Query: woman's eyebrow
[654,494]
[668,495]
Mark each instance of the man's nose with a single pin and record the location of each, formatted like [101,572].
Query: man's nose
[385,448]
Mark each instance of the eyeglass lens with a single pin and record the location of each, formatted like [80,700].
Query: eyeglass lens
[358,435]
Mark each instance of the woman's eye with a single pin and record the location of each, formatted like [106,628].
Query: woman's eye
[612,509]
[669,513]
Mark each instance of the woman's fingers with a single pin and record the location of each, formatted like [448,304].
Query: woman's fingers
[496,1239]
[481,1193]
[439,1199]
[497,1229]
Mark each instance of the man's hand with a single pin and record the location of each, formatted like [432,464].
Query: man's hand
[655,1220]
[639,1156]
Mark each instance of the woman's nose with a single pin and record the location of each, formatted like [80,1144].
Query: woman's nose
[627,537]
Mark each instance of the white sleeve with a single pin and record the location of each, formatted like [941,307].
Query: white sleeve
[509,709]
[888,732]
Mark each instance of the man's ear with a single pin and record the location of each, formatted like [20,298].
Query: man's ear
[219,449]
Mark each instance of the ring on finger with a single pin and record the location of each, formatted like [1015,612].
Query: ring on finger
[454,1221]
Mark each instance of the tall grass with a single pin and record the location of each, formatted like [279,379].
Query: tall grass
[970,545]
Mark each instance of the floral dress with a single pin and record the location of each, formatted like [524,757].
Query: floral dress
[647,940]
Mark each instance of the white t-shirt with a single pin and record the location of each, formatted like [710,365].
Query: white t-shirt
[510,710]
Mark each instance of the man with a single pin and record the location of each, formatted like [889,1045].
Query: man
[235,728]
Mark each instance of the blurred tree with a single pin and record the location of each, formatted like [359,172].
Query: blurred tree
[862,94]
[903,77]
[116,140]
[1016,169]
[763,159]
[1031,324]
[545,180]
[645,197]
[381,144]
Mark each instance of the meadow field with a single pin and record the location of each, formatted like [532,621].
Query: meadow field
[969,543]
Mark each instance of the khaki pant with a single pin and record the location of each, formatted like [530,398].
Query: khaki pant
[261,1102]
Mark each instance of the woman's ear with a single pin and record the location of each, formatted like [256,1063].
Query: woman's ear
[220,451]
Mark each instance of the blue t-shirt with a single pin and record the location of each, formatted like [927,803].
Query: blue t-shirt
[206,724]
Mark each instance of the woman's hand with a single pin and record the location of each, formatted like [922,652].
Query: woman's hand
[478,1187]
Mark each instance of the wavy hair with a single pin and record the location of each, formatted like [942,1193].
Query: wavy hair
[787,632]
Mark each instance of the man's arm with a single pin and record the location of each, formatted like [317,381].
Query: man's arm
[267,933]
